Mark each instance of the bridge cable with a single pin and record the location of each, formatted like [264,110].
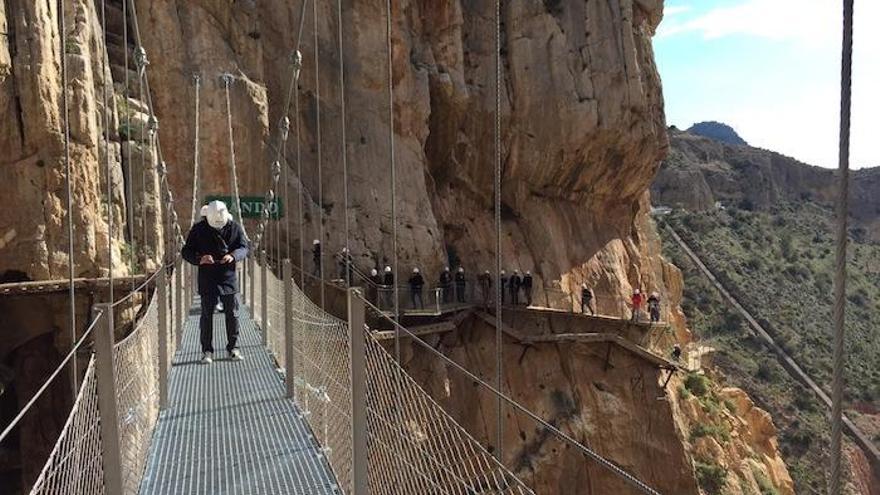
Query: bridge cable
[68,186]
[842,209]
[196,185]
[227,79]
[129,187]
[318,144]
[349,259]
[499,348]
[389,54]
[107,165]
[300,209]
[583,449]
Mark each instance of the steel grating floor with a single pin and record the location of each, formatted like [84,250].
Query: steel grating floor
[228,428]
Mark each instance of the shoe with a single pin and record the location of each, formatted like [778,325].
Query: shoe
[235,355]
[207,358]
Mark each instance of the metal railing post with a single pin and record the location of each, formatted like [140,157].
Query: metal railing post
[107,406]
[244,282]
[162,300]
[288,328]
[264,296]
[252,285]
[181,305]
[358,367]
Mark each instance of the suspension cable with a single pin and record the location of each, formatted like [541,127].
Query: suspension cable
[390,55]
[107,165]
[343,143]
[227,80]
[197,80]
[318,143]
[68,186]
[499,348]
[129,187]
[840,255]
[568,439]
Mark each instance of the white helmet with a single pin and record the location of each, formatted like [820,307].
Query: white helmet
[461,269]
[528,272]
[516,272]
[415,270]
[345,250]
[374,272]
[387,269]
[316,241]
[446,269]
[637,291]
[503,272]
[218,216]
[487,272]
[584,285]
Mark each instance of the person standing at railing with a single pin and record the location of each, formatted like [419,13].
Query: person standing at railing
[503,287]
[485,281]
[316,258]
[345,265]
[416,283]
[587,300]
[527,287]
[375,283]
[215,246]
[388,288]
[446,285]
[654,307]
[637,305]
[515,284]
[460,284]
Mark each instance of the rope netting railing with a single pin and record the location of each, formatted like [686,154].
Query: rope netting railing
[78,461]
[414,446]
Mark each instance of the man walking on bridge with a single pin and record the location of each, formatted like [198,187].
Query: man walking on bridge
[215,246]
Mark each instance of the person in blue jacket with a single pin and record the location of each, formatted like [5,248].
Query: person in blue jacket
[215,245]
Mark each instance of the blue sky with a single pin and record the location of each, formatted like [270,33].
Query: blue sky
[771,69]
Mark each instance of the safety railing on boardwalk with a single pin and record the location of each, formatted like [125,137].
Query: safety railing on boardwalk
[413,445]
[92,457]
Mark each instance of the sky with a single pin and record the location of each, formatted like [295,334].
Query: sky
[771,70]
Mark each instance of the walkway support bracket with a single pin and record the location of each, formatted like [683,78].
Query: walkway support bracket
[358,363]
[162,298]
[288,328]
[264,296]
[107,406]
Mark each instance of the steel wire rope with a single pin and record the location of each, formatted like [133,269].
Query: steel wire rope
[499,348]
[599,459]
[68,187]
[318,146]
[227,79]
[197,81]
[840,273]
[348,261]
[107,165]
[71,355]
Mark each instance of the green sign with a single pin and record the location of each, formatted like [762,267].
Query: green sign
[252,206]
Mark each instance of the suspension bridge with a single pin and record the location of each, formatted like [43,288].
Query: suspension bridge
[319,405]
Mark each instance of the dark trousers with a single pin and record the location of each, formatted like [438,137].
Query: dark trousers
[459,288]
[447,293]
[528,291]
[206,320]
[514,296]
[587,305]
[416,295]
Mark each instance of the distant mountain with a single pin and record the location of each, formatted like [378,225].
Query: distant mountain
[717,131]
[700,171]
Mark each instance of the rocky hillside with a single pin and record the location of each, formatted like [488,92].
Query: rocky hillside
[701,171]
[583,134]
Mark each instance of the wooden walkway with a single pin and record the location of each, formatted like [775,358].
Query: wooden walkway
[229,429]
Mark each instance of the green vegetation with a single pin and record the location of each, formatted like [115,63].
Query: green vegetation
[779,263]
[711,477]
[697,384]
[719,432]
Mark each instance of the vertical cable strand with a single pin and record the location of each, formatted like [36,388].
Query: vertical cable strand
[498,296]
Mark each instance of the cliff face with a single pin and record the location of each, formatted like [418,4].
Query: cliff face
[583,135]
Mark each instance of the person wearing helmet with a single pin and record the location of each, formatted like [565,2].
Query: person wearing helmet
[485,281]
[416,283]
[388,288]
[375,283]
[637,305]
[316,258]
[527,287]
[654,307]
[460,285]
[446,285]
[515,284]
[345,265]
[586,300]
[215,246]
[503,287]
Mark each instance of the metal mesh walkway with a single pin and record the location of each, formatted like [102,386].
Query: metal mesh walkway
[229,429]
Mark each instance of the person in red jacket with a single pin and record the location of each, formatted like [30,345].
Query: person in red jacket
[637,301]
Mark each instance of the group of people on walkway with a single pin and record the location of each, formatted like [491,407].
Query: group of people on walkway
[639,300]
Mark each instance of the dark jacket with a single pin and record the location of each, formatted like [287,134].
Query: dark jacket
[316,253]
[459,278]
[485,281]
[445,279]
[416,281]
[586,294]
[216,279]
[515,282]
[389,279]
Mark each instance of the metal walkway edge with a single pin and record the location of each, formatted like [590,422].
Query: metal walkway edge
[229,429]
